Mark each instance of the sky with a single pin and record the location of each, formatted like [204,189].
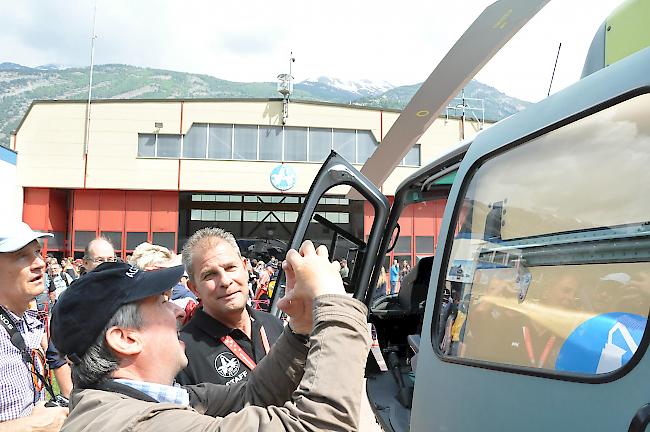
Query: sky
[399,42]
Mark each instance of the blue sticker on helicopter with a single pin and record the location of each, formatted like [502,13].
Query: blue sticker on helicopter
[602,344]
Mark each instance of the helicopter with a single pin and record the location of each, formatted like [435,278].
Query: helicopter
[532,313]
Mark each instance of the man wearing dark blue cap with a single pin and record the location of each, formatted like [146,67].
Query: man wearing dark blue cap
[22,390]
[125,352]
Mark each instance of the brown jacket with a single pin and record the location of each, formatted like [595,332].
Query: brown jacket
[277,397]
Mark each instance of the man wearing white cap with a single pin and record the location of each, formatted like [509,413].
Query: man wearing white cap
[22,367]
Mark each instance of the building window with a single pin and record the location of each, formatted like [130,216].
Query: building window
[266,143]
[146,145]
[166,239]
[57,242]
[82,238]
[133,239]
[366,146]
[208,215]
[115,237]
[168,146]
[412,158]
[245,143]
[295,144]
[195,142]
[320,144]
[220,141]
[270,143]
[345,144]
[334,201]
[423,244]
[335,217]
[403,245]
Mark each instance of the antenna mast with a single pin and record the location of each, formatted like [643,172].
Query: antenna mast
[285,88]
[90,81]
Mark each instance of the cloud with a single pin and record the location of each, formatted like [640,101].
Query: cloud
[382,40]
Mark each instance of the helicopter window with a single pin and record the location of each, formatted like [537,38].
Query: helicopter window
[550,264]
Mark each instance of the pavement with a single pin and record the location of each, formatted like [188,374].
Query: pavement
[367,422]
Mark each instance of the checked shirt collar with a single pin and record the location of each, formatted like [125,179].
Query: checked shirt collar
[162,393]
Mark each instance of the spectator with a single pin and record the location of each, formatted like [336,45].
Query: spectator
[259,267]
[22,271]
[69,268]
[98,251]
[380,289]
[226,338]
[394,276]
[78,265]
[263,292]
[265,278]
[406,267]
[181,294]
[58,281]
[274,263]
[147,257]
[345,271]
[121,380]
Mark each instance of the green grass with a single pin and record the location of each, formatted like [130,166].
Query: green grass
[55,387]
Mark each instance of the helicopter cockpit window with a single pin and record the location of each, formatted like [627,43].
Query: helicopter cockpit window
[550,263]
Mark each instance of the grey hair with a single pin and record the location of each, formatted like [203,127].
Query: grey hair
[210,235]
[99,361]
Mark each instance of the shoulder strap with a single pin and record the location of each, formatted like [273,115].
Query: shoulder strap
[14,335]
[18,341]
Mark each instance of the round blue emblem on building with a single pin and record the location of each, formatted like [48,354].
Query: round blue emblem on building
[283,177]
[602,344]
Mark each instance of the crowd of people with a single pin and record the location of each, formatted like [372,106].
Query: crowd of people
[134,342]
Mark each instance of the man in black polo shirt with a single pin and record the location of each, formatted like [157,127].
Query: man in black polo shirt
[225,339]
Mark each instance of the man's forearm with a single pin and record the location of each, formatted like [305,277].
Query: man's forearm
[329,395]
[24,424]
[18,425]
[63,377]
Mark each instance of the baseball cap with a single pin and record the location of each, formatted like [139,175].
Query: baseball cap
[91,301]
[17,235]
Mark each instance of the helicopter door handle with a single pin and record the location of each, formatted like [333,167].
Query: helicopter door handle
[641,419]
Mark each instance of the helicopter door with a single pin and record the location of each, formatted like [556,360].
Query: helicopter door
[545,247]
[336,171]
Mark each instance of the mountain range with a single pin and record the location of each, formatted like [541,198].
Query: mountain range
[20,85]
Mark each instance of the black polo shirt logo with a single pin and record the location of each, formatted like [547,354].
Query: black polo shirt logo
[226,364]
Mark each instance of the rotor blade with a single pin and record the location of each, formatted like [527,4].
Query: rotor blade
[480,42]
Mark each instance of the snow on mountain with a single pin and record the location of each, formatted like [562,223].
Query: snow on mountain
[364,87]
[52,66]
